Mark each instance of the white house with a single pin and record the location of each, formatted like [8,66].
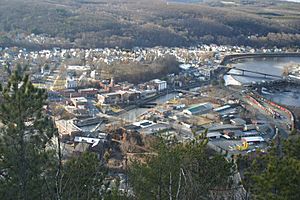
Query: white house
[71,83]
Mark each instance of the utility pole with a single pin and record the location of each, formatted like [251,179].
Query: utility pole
[126,174]
[278,143]
[58,174]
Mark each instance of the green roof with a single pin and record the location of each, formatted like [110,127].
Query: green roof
[199,108]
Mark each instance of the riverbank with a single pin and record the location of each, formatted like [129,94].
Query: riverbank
[273,66]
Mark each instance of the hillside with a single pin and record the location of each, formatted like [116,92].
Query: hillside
[129,23]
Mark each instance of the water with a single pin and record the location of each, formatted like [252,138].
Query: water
[286,96]
[273,66]
[295,1]
[165,98]
[133,114]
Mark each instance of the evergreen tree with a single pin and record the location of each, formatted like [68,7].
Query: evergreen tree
[115,194]
[180,171]
[275,175]
[83,177]
[26,156]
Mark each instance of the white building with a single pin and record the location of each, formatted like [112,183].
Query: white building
[256,139]
[79,102]
[71,83]
[159,84]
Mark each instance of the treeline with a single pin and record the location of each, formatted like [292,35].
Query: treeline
[129,23]
[141,72]
[183,171]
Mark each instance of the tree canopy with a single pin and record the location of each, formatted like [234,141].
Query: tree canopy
[130,23]
[25,141]
[30,164]
[180,171]
[275,175]
[83,177]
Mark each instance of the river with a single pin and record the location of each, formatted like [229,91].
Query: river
[273,66]
[289,96]
[133,114]
[294,1]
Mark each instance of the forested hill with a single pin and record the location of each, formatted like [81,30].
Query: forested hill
[129,23]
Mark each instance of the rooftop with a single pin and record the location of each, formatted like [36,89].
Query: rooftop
[144,123]
[199,108]
[253,139]
[80,99]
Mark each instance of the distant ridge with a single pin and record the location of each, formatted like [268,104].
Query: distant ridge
[144,23]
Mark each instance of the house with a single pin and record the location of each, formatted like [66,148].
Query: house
[71,82]
[199,109]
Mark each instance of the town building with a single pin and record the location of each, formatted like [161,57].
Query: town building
[159,85]
[199,109]
[119,97]
[109,98]
[67,129]
[79,102]
[255,139]
[71,83]
[88,92]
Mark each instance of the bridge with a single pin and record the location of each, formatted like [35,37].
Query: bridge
[187,92]
[234,57]
[264,75]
